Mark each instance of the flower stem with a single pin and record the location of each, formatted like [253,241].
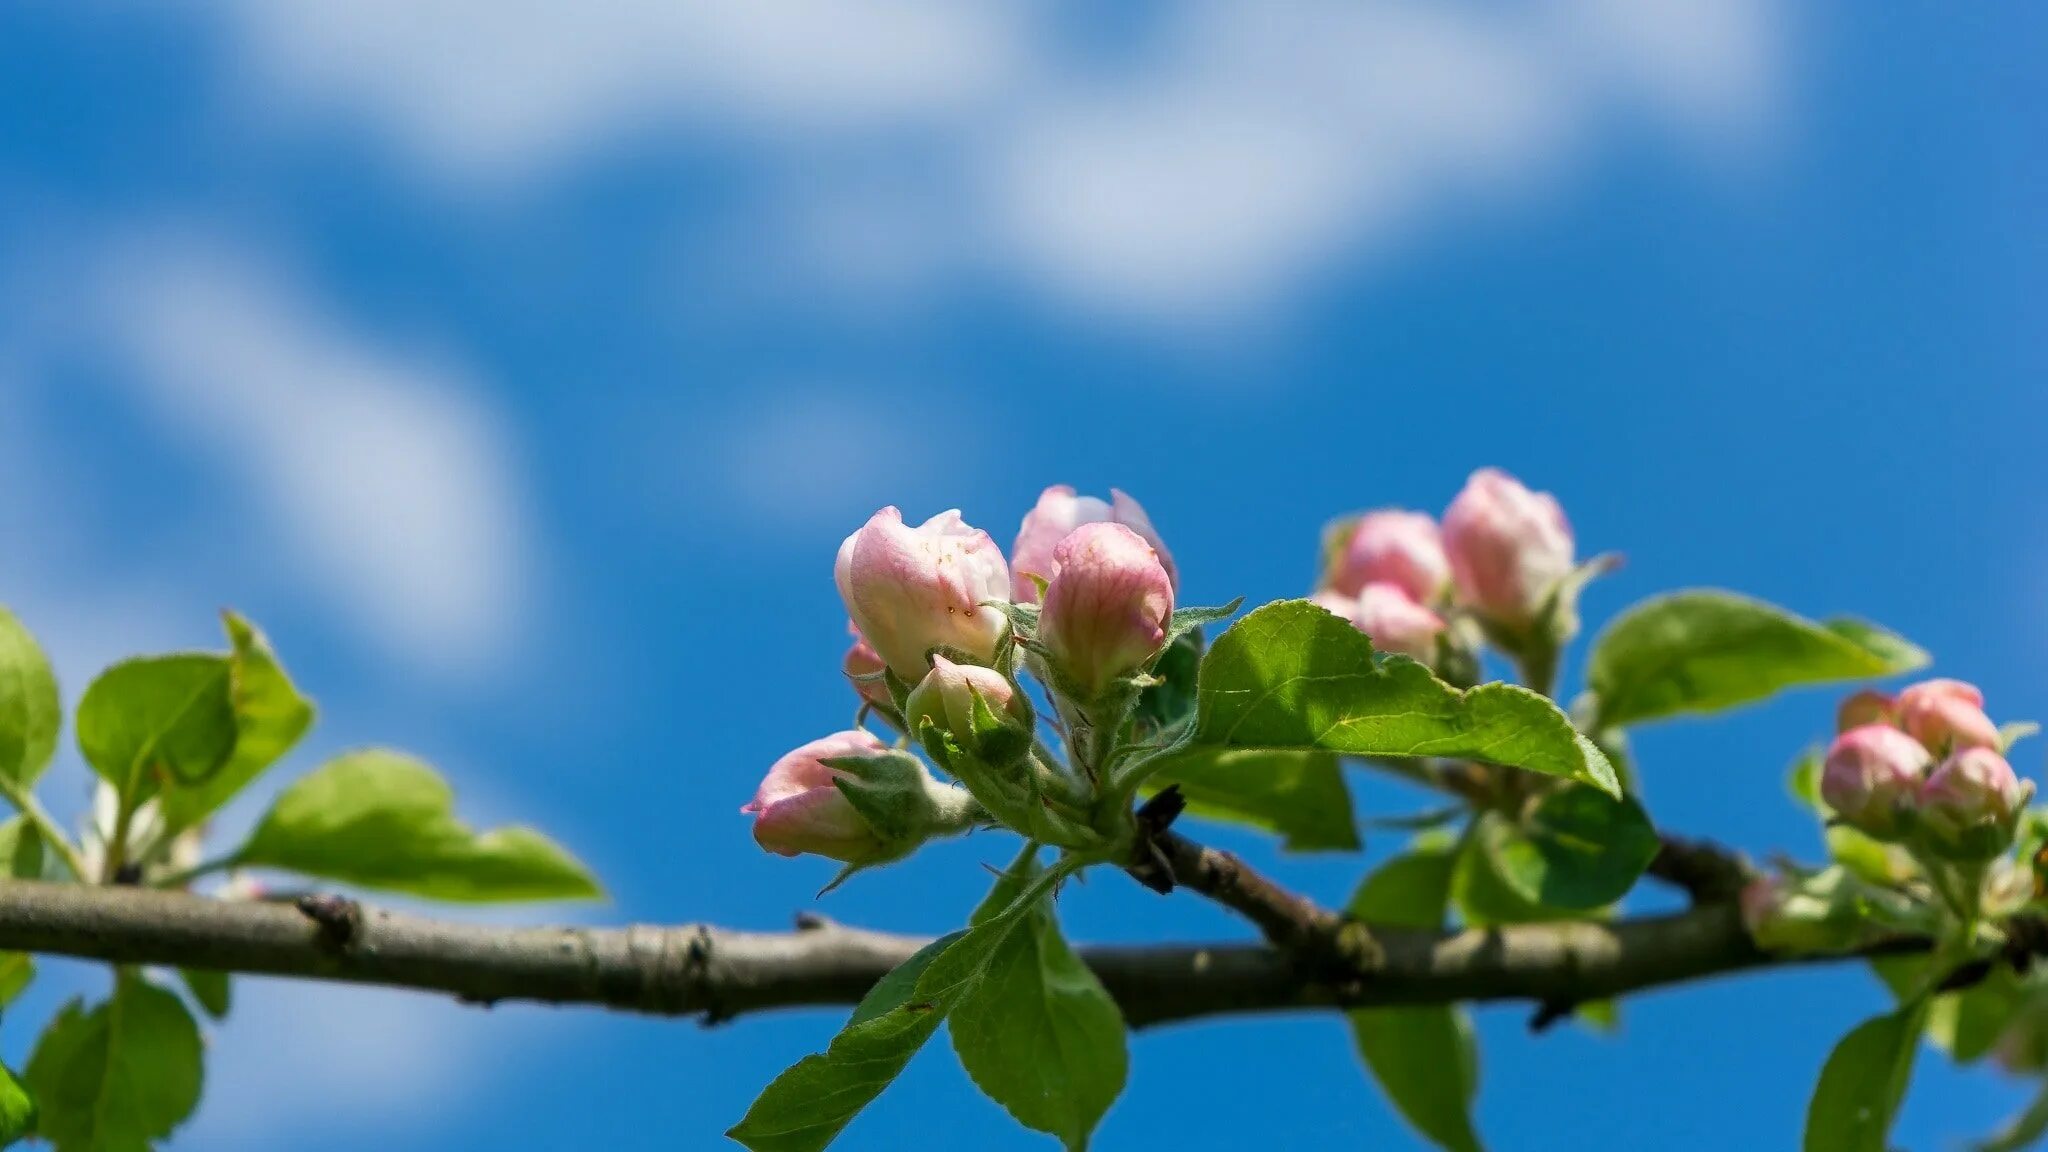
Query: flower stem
[33,811]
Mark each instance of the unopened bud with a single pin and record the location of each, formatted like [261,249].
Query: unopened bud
[983,712]
[1871,777]
[911,590]
[1508,547]
[1866,707]
[1969,807]
[1388,546]
[1946,715]
[1058,512]
[864,668]
[1106,611]
[800,806]
[1396,623]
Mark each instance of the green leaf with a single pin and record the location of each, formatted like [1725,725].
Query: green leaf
[120,1077]
[1038,1033]
[148,721]
[895,986]
[211,989]
[21,849]
[17,971]
[30,714]
[1968,1023]
[1293,676]
[1482,896]
[1862,1083]
[806,1107]
[1707,650]
[1579,848]
[270,717]
[383,820]
[1301,796]
[1424,1058]
[2022,1131]
[17,1109]
[21,852]
[1166,705]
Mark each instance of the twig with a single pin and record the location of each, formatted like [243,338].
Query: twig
[718,973]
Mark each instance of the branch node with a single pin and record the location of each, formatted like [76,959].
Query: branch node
[697,973]
[814,922]
[340,918]
[1548,1014]
[1150,864]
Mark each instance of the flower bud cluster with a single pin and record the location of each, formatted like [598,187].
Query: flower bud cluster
[937,619]
[1927,768]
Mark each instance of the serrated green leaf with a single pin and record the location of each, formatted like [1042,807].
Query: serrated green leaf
[1038,1033]
[1425,1057]
[156,719]
[2022,1131]
[895,986]
[1706,650]
[1292,676]
[213,990]
[30,713]
[806,1107]
[120,1077]
[270,717]
[17,1108]
[1578,848]
[384,820]
[1301,796]
[1862,1083]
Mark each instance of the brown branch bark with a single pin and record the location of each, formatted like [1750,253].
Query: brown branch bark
[717,973]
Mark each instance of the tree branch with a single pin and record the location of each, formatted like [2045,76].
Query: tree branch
[717,973]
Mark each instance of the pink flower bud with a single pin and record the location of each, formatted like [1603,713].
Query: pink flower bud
[1968,807]
[910,590]
[798,809]
[1870,778]
[1866,707]
[864,670]
[1946,714]
[1396,622]
[1759,902]
[1392,546]
[1335,603]
[946,698]
[1107,607]
[1508,547]
[1056,515]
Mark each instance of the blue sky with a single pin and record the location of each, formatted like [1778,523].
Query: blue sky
[521,370]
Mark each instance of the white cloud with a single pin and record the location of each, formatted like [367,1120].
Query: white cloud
[817,459]
[294,1051]
[503,87]
[389,482]
[1225,155]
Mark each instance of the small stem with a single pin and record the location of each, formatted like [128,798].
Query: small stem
[117,844]
[32,809]
[1538,664]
